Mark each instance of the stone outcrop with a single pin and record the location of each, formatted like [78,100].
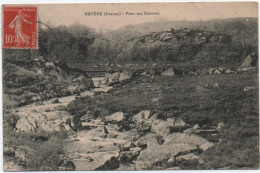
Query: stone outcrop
[35,122]
[39,80]
[178,45]
[163,154]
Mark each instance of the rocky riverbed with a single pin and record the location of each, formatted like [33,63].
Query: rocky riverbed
[105,144]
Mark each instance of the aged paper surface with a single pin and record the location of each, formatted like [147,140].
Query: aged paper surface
[133,86]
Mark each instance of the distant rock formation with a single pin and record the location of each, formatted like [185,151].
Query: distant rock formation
[176,45]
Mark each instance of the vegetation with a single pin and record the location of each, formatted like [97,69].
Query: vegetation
[66,43]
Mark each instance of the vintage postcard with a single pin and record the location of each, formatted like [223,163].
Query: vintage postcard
[130,86]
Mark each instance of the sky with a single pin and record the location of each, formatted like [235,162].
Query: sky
[61,14]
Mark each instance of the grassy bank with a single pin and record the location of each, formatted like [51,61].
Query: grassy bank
[195,100]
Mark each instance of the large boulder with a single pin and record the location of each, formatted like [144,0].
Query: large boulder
[35,122]
[116,117]
[173,145]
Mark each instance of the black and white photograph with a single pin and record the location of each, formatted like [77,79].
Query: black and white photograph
[130,86]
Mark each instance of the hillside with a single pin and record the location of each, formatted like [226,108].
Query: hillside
[178,45]
[217,25]
[38,79]
[118,45]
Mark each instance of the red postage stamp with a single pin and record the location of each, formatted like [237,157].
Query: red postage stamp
[20,27]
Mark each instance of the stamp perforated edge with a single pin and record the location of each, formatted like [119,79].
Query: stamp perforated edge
[37,25]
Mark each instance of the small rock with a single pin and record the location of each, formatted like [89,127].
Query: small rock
[217,72]
[174,168]
[67,166]
[154,117]
[221,69]
[228,71]
[168,72]
[199,131]
[109,163]
[142,115]
[216,85]
[206,146]
[144,73]
[211,70]
[201,161]
[148,139]
[89,159]
[125,76]
[247,69]
[163,127]
[47,110]
[111,78]
[55,101]
[100,131]
[11,166]
[196,126]
[220,126]
[250,60]
[249,88]
[187,157]
[127,156]
[171,162]
[50,65]
[135,149]
[7,150]
[127,145]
